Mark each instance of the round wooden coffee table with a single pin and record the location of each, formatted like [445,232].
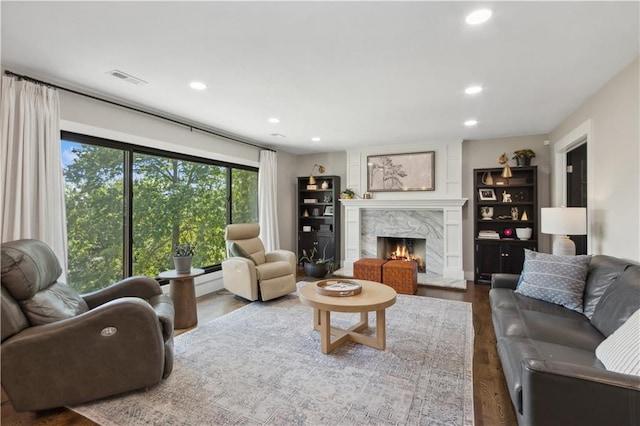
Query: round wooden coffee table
[375,297]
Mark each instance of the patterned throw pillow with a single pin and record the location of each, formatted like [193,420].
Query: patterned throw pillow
[620,352]
[554,279]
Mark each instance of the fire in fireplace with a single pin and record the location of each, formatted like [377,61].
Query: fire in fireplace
[407,249]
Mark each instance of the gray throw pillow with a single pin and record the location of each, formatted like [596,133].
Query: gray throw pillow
[237,251]
[555,279]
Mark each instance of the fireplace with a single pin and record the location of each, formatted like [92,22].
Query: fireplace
[403,248]
[435,216]
[437,222]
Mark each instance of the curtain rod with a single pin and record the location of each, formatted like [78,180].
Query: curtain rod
[191,127]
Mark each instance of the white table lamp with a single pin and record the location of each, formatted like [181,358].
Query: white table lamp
[564,221]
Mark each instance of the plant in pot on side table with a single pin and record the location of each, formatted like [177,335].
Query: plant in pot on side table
[316,268]
[182,257]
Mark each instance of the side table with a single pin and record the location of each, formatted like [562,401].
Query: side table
[183,293]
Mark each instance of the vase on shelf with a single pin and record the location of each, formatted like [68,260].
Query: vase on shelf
[487,178]
[486,212]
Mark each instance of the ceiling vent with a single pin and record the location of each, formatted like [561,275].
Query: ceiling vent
[127,77]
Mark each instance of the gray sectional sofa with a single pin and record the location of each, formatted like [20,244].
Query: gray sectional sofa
[548,351]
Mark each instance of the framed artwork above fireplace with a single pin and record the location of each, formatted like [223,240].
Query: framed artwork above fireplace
[401,172]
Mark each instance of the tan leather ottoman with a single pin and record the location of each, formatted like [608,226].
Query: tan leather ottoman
[369,269]
[401,275]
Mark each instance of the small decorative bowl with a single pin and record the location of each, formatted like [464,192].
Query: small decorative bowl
[524,233]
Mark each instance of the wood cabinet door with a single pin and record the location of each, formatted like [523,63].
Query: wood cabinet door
[488,260]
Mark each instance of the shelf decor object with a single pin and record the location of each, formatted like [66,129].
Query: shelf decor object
[564,221]
[487,194]
[335,288]
[523,157]
[523,233]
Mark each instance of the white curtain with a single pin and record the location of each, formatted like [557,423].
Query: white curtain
[32,198]
[267,200]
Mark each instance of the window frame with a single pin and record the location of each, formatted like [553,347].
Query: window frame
[129,150]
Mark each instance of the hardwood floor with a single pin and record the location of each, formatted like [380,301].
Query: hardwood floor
[492,404]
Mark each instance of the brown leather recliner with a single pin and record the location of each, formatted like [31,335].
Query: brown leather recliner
[60,348]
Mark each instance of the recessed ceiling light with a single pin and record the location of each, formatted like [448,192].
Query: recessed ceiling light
[469,123]
[478,16]
[274,120]
[315,139]
[197,85]
[472,90]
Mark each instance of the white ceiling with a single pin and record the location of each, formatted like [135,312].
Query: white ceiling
[354,73]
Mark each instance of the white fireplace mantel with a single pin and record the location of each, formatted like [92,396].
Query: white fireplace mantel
[452,228]
[439,203]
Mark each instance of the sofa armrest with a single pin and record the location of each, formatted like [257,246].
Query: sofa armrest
[137,286]
[504,281]
[560,393]
[113,348]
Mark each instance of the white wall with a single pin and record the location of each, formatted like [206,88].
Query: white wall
[479,154]
[447,169]
[613,149]
[96,118]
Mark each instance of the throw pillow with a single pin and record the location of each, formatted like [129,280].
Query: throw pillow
[620,352]
[237,251]
[554,279]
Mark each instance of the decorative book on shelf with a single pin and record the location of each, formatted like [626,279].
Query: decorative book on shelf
[489,234]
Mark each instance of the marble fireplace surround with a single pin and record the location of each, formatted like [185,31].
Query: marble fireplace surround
[439,221]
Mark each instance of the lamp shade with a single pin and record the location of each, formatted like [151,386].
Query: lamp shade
[564,220]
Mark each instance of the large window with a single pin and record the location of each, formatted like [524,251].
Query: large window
[127,207]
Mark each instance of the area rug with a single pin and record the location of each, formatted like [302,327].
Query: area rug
[262,365]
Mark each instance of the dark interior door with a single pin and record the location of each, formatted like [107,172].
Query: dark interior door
[577,188]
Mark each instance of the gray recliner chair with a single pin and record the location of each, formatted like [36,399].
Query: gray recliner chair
[59,348]
[252,273]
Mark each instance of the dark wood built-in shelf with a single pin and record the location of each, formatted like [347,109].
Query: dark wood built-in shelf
[504,254]
[321,238]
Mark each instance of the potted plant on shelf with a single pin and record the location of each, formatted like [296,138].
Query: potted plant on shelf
[182,257]
[347,194]
[316,268]
[523,157]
